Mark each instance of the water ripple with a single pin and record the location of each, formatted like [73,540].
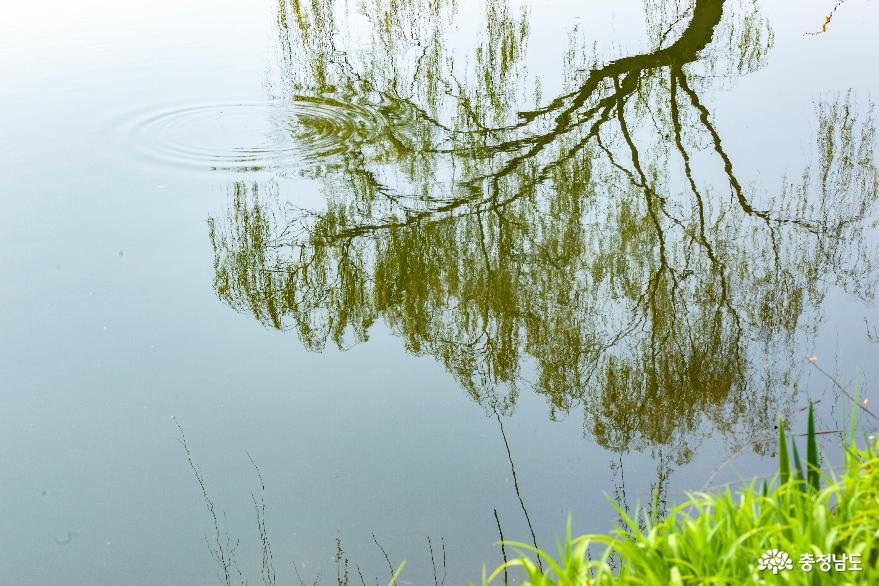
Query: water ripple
[260,135]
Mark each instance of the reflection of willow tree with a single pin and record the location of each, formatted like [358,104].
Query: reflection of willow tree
[559,245]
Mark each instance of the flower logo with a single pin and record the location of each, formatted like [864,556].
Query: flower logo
[775,560]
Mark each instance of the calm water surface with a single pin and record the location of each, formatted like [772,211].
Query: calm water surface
[432,266]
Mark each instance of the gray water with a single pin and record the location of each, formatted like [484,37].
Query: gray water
[417,267]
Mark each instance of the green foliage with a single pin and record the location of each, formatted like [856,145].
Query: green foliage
[783,462]
[812,454]
[811,478]
[719,538]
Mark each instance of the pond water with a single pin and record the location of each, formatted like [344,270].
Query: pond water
[409,272]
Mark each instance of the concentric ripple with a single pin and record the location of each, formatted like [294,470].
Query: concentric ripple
[327,126]
[255,136]
[238,136]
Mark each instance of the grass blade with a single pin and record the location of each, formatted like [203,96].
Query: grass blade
[812,452]
[783,461]
[798,466]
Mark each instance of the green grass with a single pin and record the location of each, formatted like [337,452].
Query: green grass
[719,538]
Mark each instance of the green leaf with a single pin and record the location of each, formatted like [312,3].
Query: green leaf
[812,452]
[397,574]
[783,461]
[798,466]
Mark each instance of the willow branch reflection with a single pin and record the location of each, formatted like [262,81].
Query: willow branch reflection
[579,248]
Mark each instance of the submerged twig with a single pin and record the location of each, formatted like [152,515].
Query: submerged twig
[861,405]
[387,557]
[503,548]
[445,568]
[224,555]
[269,576]
[341,562]
[516,486]
[432,561]
[298,575]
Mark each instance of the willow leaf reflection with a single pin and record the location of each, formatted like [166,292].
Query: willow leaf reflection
[598,249]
